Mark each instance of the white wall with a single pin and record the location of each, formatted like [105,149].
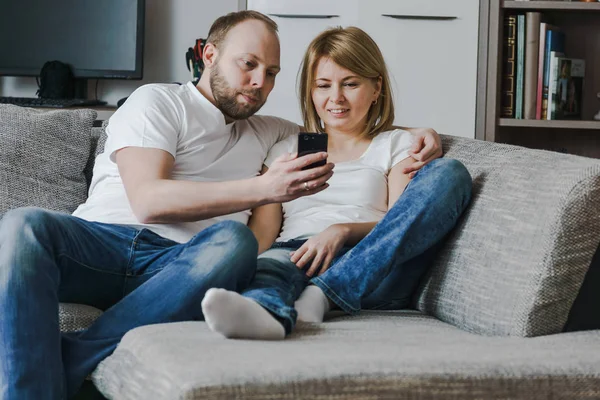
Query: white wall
[171,27]
[432,63]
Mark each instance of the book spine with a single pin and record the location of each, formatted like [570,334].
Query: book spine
[546,74]
[508,74]
[571,72]
[552,86]
[577,76]
[532,50]
[540,75]
[520,66]
[554,41]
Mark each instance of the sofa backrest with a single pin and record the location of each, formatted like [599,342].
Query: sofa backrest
[517,259]
[98,141]
[514,265]
[43,155]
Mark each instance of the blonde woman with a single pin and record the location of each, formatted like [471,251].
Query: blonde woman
[363,242]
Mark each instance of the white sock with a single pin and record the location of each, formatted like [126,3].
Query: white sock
[235,316]
[312,305]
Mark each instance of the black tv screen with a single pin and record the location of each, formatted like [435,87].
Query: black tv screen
[98,38]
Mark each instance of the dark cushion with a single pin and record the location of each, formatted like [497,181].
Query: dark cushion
[584,314]
[98,141]
[43,156]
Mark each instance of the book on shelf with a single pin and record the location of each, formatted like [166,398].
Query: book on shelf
[519,84]
[555,41]
[509,67]
[532,51]
[540,76]
[552,84]
[538,80]
[568,87]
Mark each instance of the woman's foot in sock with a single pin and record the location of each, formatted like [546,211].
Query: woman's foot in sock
[235,316]
[312,305]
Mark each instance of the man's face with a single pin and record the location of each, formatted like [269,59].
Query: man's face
[244,72]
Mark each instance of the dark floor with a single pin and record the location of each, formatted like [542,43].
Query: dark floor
[88,392]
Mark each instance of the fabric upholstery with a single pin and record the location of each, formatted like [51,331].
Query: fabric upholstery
[43,157]
[76,317]
[98,140]
[516,261]
[391,355]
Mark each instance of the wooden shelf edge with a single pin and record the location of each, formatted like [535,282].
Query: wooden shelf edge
[552,5]
[554,124]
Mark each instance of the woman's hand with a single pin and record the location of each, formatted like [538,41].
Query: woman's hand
[427,147]
[320,249]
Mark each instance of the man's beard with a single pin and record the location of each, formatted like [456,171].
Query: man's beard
[225,97]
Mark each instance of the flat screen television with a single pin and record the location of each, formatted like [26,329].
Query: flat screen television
[99,39]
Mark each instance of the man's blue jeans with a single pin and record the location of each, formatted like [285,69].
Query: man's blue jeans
[382,270]
[138,277]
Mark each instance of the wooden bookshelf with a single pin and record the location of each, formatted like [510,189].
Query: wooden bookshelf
[554,124]
[551,5]
[581,23]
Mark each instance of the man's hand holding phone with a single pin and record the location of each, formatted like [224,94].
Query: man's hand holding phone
[291,176]
[310,143]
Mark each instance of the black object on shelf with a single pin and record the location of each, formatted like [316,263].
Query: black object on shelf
[56,81]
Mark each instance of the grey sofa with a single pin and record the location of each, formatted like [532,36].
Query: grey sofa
[509,310]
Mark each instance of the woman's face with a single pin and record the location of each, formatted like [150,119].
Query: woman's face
[342,99]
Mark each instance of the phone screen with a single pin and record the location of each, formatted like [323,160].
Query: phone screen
[309,143]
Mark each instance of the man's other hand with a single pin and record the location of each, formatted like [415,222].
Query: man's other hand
[427,147]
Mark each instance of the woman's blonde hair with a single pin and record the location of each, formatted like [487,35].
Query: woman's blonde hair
[353,49]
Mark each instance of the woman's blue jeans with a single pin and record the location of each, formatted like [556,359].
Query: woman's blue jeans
[136,276]
[383,270]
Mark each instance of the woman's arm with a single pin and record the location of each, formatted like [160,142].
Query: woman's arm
[265,223]
[353,232]
[398,179]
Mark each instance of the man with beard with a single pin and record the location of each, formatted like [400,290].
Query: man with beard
[165,219]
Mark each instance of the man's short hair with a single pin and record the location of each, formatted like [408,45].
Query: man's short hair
[219,29]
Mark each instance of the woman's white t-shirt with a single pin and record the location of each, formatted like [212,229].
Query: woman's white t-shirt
[357,192]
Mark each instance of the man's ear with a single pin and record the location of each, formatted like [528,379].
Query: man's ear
[210,54]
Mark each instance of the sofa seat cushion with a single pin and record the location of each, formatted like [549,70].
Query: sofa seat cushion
[76,317]
[388,355]
[43,156]
[516,260]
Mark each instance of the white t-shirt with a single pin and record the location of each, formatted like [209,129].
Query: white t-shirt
[357,192]
[181,121]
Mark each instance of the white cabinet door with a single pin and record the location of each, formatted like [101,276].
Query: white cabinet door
[430,47]
[299,22]
[415,8]
[305,7]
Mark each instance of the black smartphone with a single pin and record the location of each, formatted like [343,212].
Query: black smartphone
[309,143]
